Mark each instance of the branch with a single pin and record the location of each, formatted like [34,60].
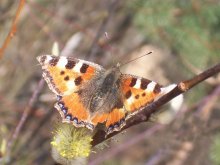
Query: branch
[152,108]
[94,47]
[24,116]
[13,28]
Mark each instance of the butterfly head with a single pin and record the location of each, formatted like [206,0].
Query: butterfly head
[113,74]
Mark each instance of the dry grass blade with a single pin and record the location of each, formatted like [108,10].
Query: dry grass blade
[13,28]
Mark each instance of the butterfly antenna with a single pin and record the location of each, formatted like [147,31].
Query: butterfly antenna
[135,59]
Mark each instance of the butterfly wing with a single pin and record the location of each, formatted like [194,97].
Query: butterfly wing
[66,75]
[138,92]
[114,120]
[73,111]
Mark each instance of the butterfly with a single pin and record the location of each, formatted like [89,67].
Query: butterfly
[87,94]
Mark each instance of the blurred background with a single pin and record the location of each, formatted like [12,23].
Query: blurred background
[184,37]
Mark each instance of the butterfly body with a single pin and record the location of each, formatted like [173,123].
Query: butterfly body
[101,93]
[88,94]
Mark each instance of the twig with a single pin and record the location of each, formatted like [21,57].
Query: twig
[163,154]
[155,159]
[24,116]
[31,137]
[55,15]
[147,111]
[212,80]
[122,147]
[13,28]
[42,26]
[94,46]
[206,105]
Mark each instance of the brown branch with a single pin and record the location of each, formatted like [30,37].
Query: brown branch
[94,47]
[150,109]
[124,146]
[13,28]
[24,116]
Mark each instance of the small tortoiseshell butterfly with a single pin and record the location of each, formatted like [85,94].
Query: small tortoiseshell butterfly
[88,94]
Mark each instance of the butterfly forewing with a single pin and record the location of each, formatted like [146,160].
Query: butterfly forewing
[66,75]
[138,92]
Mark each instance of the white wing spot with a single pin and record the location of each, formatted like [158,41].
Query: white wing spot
[151,86]
[78,67]
[130,100]
[137,84]
[71,87]
[62,62]
[47,59]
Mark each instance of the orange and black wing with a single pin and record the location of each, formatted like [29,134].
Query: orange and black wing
[114,119]
[65,76]
[138,92]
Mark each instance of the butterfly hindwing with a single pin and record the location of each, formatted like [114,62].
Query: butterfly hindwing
[114,119]
[138,92]
[65,75]
[73,111]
